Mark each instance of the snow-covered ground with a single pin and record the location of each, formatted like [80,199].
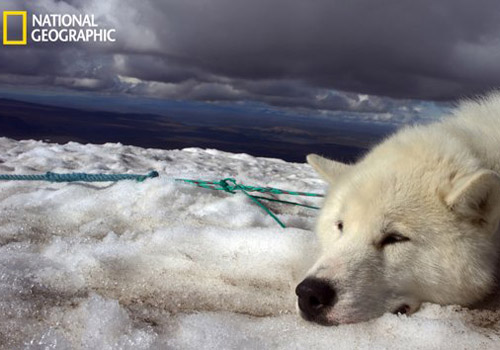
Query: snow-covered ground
[161,264]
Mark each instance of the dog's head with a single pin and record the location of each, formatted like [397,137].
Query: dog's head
[396,232]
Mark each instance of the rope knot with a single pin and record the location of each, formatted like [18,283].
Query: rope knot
[229,185]
[226,186]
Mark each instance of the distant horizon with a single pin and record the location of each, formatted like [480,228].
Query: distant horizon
[119,102]
[286,137]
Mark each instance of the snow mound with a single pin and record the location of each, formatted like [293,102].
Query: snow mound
[162,264]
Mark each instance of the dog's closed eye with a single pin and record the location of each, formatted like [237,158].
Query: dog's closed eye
[392,238]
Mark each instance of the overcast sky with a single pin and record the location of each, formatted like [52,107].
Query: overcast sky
[361,56]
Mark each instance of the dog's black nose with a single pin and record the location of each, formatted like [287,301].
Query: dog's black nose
[314,296]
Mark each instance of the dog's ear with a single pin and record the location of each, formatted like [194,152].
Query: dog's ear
[476,197]
[326,168]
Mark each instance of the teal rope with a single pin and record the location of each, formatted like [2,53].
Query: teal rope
[228,185]
[287,202]
[81,177]
[223,185]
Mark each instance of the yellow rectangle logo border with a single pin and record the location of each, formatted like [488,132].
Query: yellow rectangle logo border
[24,15]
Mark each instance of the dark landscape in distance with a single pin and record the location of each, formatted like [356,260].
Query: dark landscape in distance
[290,138]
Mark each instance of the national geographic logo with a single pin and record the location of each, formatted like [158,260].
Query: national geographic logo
[13,15]
[54,28]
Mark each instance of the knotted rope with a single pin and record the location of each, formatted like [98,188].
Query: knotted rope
[228,185]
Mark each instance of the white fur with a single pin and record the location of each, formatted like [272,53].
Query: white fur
[437,185]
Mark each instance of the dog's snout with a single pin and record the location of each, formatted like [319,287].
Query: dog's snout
[315,296]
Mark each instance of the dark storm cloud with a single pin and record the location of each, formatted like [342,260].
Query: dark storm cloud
[317,54]
[404,48]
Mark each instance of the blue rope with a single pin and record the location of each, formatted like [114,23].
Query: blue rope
[82,177]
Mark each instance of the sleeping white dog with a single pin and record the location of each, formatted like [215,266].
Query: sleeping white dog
[415,220]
